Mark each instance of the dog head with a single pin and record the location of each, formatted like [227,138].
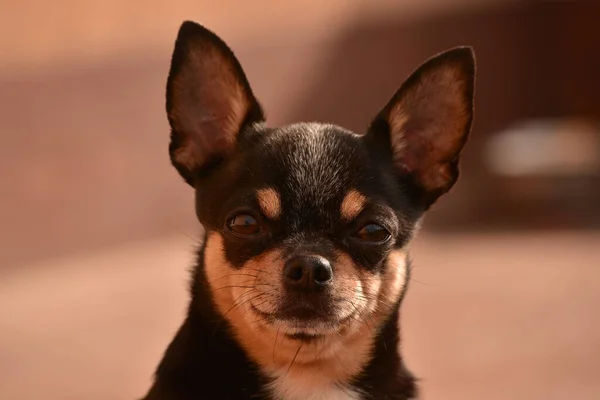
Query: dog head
[307,225]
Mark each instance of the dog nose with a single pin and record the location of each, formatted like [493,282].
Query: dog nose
[307,273]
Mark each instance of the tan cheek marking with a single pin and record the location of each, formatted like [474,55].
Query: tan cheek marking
[348,283]
[222,280]
[392,282]
[218,271]
[257,340]
[269,202]
[352,205]
[379,294]
[230,288]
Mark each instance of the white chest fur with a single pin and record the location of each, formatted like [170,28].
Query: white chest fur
[305,387]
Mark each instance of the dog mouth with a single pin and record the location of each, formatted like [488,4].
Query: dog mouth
[299,316]
[303,323]
[303,337]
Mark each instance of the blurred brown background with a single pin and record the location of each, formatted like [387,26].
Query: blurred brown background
[97,231]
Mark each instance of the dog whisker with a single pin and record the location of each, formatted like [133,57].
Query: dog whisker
[294,359]
[242,286]
[233,275]
[275,342]
[237,303]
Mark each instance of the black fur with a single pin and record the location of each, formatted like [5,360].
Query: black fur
[311,166]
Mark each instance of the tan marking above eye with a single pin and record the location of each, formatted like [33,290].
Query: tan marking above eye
[352,205]
[269,202]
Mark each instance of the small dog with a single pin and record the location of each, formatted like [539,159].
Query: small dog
[304,261]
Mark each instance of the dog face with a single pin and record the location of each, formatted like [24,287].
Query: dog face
[305,220]
[307,225]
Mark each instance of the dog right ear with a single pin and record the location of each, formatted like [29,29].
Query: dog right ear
[209,101]
[427,122]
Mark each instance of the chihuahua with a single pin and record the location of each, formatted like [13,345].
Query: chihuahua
[304,263]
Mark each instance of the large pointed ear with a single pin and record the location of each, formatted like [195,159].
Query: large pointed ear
[209,101]
[427,122]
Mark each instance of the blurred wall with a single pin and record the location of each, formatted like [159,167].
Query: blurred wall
[83,160]
[59,33]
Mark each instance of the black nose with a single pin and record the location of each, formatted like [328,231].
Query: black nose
[307,273]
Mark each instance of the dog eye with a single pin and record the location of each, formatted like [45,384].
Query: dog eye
[372,233]
[243,224]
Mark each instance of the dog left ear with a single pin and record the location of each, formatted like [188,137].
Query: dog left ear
[209,101]
[428,120]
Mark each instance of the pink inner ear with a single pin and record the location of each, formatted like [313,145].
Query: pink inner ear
[415,152]
[428,126]
[428,137]
[428,160]
[211,143]
[419,158]
[210,104]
